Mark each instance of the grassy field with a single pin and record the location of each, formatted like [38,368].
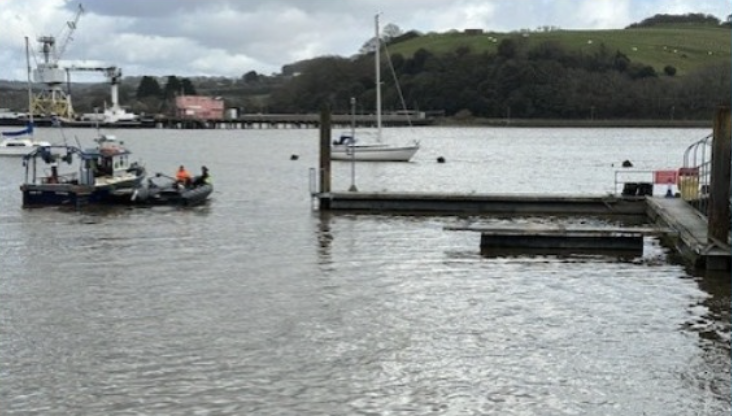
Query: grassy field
[685,47]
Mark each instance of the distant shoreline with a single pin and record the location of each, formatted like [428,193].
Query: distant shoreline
[311,121]
[616,123]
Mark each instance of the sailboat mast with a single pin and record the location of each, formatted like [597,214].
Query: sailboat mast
[377,63]
[30,92]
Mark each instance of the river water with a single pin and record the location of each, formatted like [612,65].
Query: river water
[258,304]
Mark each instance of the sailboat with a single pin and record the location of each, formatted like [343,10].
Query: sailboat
[348,148]
[21,142]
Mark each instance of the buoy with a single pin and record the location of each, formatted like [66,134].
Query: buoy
[440,159]
[294,157]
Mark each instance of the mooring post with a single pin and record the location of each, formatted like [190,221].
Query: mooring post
[719,183]
[325,128]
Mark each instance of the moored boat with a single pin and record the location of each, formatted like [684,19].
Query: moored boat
[373,152]
[348,147]
[22,142]
[96,175]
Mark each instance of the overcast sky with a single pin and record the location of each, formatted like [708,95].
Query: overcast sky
[231,37]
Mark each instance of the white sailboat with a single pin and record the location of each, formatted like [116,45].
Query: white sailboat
[348,148]
[21,142]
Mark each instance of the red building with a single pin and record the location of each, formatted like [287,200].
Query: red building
[199,108]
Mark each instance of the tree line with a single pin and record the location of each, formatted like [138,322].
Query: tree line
[152,98]
[544,81]
[689,18]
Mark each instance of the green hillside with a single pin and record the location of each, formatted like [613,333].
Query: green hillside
[685,47]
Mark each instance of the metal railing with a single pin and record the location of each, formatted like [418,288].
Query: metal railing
[631,176]
[695,175]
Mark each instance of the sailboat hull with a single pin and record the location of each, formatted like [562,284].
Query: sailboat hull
[19,147]
[373,153]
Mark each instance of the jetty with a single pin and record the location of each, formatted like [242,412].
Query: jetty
[696,223]
[243,121]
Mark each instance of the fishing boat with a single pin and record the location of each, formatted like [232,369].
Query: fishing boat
[98,175]
[350,148]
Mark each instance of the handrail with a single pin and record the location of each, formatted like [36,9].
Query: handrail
[698,161]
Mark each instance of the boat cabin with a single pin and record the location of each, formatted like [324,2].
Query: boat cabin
[103,174]
[109,158]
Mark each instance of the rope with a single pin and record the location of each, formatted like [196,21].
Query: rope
[396,82]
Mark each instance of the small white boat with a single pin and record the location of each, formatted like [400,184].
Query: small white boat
[348,148]
[20,143]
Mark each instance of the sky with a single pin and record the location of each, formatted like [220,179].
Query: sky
[229,38]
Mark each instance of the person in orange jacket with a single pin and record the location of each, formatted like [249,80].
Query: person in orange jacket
[183,176]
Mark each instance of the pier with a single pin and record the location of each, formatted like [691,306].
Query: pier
[701,237]
[477,204]
[244,121]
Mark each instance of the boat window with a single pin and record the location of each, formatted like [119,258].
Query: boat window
[106,166]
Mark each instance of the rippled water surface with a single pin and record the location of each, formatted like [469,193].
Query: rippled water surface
[258,304]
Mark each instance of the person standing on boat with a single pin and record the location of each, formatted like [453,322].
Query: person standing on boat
[183,176]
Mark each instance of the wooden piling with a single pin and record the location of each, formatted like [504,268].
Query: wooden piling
[719,196]
[325,137]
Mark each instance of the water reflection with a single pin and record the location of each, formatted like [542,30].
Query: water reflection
[711,319]
[324,236]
